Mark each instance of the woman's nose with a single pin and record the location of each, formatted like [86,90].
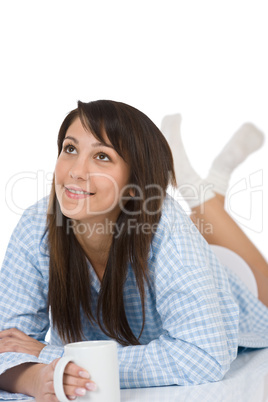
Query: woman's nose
[79,170]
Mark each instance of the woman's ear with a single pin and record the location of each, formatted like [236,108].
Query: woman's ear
[131,193]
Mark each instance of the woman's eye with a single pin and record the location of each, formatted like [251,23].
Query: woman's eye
[69,149]
[103,157]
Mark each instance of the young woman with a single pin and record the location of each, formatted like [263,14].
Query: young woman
[112,256]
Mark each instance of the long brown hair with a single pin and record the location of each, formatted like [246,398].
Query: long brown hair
[136,139]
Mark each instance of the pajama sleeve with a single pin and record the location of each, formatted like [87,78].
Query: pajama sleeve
[23,293]
[198,313]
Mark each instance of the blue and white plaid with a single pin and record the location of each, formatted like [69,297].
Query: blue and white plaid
[197,311]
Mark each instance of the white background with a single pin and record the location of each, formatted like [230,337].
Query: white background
[204,59]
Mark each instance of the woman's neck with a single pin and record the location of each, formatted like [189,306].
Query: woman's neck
[95,237]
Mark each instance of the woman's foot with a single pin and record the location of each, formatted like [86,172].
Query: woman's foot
[244,142]
[192,187]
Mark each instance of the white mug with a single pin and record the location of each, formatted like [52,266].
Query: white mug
[99,358]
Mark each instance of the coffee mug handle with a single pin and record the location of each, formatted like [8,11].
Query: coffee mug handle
[58,378]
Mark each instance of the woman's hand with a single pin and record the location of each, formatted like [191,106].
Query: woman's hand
[14,340]
[76,382]
[36,379]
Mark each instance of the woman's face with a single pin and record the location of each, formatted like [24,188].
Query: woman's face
[90,178]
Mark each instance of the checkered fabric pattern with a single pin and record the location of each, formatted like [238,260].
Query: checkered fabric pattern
[197,311]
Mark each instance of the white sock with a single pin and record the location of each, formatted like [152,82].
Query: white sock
[192,187]
[246,139]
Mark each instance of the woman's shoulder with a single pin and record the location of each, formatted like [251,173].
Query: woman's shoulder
[32,224]
[177,236]
[38,209]
[171,205]
[27,246]
[36,214]
[173,215]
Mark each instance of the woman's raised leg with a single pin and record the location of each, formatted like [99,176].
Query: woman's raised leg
[208,209]
[225,232]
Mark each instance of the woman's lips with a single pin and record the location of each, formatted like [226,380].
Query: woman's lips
[77,194]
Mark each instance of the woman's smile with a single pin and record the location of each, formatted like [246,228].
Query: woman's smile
[76,193]
[90,176]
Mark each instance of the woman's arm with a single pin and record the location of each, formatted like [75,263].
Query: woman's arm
[20,379]
[198,316]
[26,363]
[23,293]
[13,340]
[198,343]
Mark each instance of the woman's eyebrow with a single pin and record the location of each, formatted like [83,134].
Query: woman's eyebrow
[71,138]
[102,144]
[95,145]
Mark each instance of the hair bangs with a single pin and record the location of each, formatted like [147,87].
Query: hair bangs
[101,119]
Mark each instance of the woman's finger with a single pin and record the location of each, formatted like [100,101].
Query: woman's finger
[13,333]
[76,371]
[74,391]
[77,381]
[10,341]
